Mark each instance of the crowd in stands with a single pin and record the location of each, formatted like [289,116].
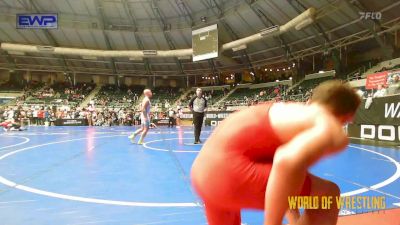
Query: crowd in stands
[165,97]
[115,105]
[303,91]
[251,96]
[95,117]
[166,93]
[112,105]
[62,93]
[388,68]
[117,96]
[27,90]
[13,86]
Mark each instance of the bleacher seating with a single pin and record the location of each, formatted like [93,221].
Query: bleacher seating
[166,96]
[383,66]
[112,96]
[251,94]
[239,94]
[60,94]
[11,87]
[24,93]
[14,87]
[303,91]
[308,85]
[214,96]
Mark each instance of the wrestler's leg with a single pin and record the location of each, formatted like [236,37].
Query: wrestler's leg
[138,131]
[321,187]
[292,215]
[252,193]
[144,132]
[219,216]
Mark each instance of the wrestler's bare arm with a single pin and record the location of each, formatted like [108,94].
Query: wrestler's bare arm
[292,160]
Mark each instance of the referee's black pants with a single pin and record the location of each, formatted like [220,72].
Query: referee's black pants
[198,123]
[171,121]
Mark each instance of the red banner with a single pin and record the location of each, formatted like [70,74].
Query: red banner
[376,79]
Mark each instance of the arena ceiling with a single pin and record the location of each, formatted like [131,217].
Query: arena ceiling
[167,24]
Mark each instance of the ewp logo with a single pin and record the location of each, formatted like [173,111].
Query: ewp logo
[37,21]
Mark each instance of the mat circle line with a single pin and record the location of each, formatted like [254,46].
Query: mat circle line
[84,199]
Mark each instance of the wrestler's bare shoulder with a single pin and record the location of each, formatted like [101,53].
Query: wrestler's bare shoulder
[289,119]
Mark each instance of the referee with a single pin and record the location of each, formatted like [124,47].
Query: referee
[197,105]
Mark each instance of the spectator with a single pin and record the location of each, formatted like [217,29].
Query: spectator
[89,117]
[171,117]
[40,116]
[179,113]
[35,115]
[381,92]
[394,86]
[368,102]
[360,93]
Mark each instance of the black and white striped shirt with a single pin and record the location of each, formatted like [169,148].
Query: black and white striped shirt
[198,104]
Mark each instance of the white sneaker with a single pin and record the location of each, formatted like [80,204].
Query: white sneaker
[132,138]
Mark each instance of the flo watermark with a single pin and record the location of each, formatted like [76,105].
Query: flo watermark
[370,15]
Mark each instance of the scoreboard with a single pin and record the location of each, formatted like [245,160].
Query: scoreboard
[205,43]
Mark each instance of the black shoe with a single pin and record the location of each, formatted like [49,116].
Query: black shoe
[197,142]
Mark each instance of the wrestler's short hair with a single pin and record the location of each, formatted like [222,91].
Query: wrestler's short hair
[146,91]
[340,98]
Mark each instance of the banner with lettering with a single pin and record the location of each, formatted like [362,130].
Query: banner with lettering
[211,118]
[373,80]
[71,122]
[383,111]
[379,122]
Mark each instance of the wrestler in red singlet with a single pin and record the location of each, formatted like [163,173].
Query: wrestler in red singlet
[5,124]
[250,161]
[247,151]
[10,125]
